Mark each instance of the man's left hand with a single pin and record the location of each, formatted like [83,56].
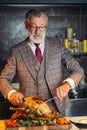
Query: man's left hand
[62,90]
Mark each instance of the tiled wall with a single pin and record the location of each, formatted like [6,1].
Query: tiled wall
[12,28]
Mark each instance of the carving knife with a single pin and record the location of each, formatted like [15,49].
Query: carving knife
[48,100]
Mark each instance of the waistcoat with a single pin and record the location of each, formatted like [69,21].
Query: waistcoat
[41,85]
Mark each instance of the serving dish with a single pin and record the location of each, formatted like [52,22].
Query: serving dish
[79,120]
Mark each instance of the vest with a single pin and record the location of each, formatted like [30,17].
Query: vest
[41,85]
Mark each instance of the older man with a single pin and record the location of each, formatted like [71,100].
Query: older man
[38,62]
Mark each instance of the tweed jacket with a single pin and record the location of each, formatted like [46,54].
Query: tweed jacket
[20,61]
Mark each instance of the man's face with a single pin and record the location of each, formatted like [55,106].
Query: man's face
[36,27]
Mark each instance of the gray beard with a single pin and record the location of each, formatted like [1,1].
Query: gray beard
[39,40]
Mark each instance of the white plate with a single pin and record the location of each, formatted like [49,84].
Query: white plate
[78,120]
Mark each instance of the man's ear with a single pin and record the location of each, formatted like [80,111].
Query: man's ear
[26,25]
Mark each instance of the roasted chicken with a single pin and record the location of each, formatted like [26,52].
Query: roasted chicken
[34,108]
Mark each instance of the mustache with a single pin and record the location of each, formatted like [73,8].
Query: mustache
[37,35]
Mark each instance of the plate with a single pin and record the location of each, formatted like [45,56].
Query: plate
[78,120]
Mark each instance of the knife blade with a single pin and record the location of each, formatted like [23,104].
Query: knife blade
[48,100]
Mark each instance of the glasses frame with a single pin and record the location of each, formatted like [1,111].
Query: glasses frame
[33,28]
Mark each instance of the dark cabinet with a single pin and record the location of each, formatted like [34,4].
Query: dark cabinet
[78,107]
[5,113]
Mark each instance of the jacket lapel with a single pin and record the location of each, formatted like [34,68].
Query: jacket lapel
[27,55]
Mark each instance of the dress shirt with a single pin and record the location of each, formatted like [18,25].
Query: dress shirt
[71,82]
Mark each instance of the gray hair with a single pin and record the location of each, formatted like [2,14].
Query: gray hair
[36,13]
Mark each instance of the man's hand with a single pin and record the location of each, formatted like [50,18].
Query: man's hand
[16,98]
[62,90]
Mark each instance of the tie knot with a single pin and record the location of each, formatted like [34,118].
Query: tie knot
[37,44]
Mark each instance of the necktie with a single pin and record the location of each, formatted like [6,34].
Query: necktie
[38,52]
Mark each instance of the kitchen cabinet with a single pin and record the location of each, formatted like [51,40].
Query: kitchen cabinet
[5,113]
[78,107]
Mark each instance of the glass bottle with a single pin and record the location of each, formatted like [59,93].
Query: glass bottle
[74,44]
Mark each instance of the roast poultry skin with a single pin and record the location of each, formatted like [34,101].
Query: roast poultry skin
[34,108]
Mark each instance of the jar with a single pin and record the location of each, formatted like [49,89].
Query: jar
[69,33]
[84,46]
[66,43]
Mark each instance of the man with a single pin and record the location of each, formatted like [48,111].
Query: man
[40,74]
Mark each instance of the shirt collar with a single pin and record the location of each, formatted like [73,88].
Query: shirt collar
[33,47]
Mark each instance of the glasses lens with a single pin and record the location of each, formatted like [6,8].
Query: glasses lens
[42,28]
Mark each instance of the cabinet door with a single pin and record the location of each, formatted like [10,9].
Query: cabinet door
[5,113]
[78,107]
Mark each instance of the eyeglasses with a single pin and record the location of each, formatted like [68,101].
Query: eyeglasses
[41,28]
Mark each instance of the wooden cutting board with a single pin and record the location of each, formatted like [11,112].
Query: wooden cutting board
[51,127]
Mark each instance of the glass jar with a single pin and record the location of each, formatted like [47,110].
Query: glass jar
[69,33]
[84,46]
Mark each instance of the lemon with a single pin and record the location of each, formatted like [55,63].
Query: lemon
[2,125]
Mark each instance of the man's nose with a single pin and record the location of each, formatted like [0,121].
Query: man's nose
[37,30]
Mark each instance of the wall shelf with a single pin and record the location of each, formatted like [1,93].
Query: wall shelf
[78,55]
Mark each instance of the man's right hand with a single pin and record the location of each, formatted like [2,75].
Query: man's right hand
[16,98]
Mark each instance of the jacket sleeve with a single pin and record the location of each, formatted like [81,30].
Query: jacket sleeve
[7,75]
[76,72]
